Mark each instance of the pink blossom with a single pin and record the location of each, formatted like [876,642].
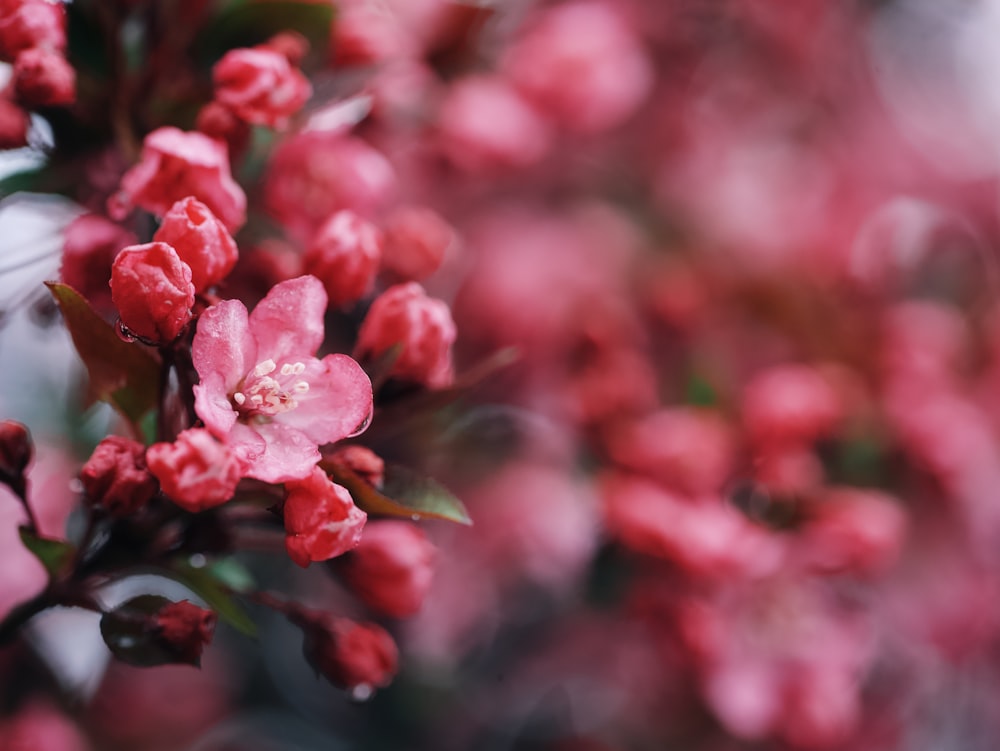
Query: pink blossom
[32,23]
[201,241]
[116,478]
[345,255]
[90,244]
[260,86]
[392,568]
[416,240]
[263,390]
[177,164]
[485,125]
[43,78]
[581,64]
[405,316]
[151,287]
[321,520]
[790,404]
[195,471]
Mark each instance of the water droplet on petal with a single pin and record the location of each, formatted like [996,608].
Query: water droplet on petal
[415,517]
[197,561]
[123,333]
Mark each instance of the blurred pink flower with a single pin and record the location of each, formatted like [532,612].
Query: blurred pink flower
[321,520]
[260,86]
[263,390]
[196,471]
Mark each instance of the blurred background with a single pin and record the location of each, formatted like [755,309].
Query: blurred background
[738,489]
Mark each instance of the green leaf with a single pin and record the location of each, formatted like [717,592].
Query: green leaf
[211,585]
[243,24]
[122,374]
[25,180]
[126,630]
[404,493]
[55,555]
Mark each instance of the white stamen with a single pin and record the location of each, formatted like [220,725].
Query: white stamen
[300,387]
[263,368]
[239,397]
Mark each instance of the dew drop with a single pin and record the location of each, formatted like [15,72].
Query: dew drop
[415,517]
[75,486]
[362,692]
[197,561]
[123,333]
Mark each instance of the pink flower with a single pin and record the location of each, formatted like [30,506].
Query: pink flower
[175,165]
[196,471]
[260,86]
[404,315]
[345,256]
[262,389]
[34,23]
[321,520]
[201,240]
[392,568]
[416,240]
[115,477]
[90,244]
[43,78]
[350,654]
[13,124]
[151,287]
[790,404]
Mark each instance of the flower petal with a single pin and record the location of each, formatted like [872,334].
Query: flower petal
[288,453]
[211,404]
[289,321]
[223,346]
[338,403]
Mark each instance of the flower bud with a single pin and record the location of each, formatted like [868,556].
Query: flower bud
[392,568]
[415,243]
[177,164]
[201,241]
[15,452]
[116,478]
[357,656]
[345,255]
[789,404]
[290,45]
[43,78]
[196,471]
[90,244]
[260,86]
[363,462]
[321,520]
[33,23]
[422,326]
[185,629]
[219,122]
[151,287]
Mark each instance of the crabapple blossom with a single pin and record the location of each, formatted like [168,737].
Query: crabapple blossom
[185,629]
[263,390]
[790,404]
[345,255]
[260,86]
[196,471]
[43,78]
[174,165]
[151,287]
[201,241]
[321,520]
[116,477]
[32,24]
[416,240]
[350,654]
[422,326]
[90,244]
[392,567]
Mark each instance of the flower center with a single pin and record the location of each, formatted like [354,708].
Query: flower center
[268,390]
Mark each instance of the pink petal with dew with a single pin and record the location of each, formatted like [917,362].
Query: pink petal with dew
[289,321]
[223,346]
[288,453]
[212,405]
[338,403]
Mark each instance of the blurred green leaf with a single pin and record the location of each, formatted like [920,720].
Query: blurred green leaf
[404,493]
[25,180]
[55,555]
[245,23]
[122,374]
[214,586]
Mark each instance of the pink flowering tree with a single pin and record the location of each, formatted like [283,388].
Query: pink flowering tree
[692,303]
